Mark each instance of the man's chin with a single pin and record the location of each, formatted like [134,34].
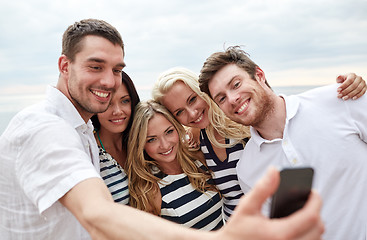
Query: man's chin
[99,109]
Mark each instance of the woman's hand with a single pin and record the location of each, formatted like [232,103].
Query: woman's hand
[352,86]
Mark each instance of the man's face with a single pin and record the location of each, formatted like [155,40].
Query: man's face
[94,75]
[242,99]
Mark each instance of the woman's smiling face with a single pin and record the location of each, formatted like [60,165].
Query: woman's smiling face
[116,118]
[187,107]
[162,141]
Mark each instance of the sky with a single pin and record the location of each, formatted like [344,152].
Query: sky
[295,42]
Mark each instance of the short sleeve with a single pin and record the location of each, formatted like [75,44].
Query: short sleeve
[358,113]
[51,161]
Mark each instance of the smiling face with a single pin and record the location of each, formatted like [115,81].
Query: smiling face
[162,141]
[93,76]
[186,106]
[242,99]
[116,118]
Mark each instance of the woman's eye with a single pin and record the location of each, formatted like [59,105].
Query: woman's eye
[193,99]
[178,113]
[125,101]
[150,140]
[221,100]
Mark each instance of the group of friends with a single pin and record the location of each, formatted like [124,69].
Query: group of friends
[93,161]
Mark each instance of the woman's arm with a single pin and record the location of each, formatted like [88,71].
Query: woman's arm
[352,86]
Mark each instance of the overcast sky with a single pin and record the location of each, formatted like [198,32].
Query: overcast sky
[296,42]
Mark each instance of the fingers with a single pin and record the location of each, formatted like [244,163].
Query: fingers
[352,86]
[306,223]
[313,234]
[264,188]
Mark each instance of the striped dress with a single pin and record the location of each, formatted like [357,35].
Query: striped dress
[182,204]
[114,177]
[224,173]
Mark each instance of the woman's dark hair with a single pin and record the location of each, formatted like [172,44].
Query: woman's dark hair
[126,80]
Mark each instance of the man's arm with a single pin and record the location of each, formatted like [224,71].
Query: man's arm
[92,204]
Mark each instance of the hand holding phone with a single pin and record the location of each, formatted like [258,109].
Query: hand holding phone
[293,191]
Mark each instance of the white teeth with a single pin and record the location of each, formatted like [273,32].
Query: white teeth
[242,107]
[168,152]
[199,119]
[99,94]
[117,121]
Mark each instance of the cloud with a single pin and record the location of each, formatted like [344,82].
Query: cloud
[281,36]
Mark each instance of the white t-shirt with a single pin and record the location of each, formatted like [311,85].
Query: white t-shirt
[46,150]
[329,135]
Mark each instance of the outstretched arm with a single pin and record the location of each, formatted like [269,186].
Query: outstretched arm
[352,86]
[92,204]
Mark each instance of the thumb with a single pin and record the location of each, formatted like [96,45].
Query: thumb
[341,78]
[263,189]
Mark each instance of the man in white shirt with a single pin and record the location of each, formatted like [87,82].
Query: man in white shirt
[314,129]
[50,186]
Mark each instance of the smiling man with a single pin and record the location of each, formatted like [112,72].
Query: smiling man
[314,128]
[49,148]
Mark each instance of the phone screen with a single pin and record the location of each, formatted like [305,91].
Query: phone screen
[293,191]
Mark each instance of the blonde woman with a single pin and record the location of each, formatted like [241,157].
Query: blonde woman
[165,177]
[178,90]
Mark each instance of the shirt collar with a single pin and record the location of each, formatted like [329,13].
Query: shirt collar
[65,109]
[291,108]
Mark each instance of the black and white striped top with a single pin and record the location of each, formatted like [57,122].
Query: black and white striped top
[224,173]
[183,204]
[114,177]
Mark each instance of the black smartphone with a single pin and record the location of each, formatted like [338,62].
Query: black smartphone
[293,191]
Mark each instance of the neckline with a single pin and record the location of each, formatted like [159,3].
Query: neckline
[211,151]
[99,139]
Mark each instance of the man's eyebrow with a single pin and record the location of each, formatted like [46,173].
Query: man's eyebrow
[122,65]
[229,83]
[99,60]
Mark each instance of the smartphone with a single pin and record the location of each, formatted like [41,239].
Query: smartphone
[293,191]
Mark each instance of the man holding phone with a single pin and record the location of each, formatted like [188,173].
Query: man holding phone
[314,128]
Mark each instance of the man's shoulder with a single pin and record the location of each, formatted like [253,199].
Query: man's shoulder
[327,91]
[34,119]
[317,97]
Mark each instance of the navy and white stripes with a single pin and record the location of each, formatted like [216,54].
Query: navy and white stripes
[224,173]
[114,177]
[185,205]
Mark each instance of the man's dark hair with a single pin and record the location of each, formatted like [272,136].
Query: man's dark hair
[216,61]
[72,38]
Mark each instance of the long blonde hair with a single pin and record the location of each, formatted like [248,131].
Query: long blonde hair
[218,120]
[143,184]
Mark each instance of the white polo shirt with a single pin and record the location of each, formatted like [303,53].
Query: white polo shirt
[329,135]
[46,150]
